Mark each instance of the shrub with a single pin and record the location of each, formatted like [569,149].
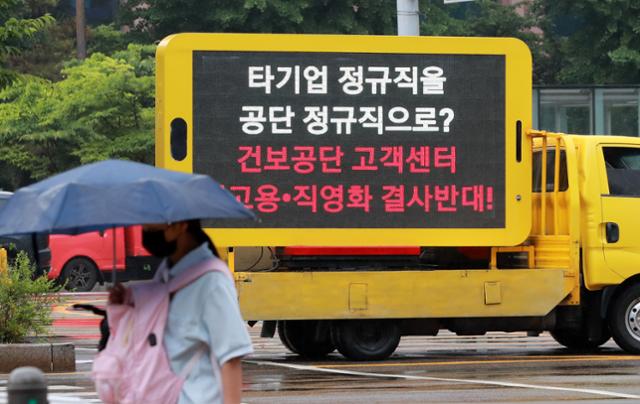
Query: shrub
[25,302]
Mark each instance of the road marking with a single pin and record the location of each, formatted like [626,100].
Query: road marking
[80,295]
[442,379]
[55,387]
[79,348]
[78,394]
[489,361]
[77,322]
[57,399]
[83,337]
[88,372]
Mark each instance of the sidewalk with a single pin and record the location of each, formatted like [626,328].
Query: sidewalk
[80,328]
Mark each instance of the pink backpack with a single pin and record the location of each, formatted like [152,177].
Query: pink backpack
[134,367]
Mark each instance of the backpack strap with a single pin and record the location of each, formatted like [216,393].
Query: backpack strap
[202,349]
[189,275]
[193,361]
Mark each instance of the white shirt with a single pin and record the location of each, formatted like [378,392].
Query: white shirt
[204,312]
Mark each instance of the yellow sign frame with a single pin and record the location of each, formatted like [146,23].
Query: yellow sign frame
[174,99]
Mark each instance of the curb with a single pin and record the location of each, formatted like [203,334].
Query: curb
[46,357]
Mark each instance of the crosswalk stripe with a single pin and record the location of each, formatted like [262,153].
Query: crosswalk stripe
[62,398]
[55,387]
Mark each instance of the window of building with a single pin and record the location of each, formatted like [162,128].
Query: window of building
[565,110]
[621,111]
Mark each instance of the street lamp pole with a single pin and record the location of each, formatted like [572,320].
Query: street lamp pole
[408,17]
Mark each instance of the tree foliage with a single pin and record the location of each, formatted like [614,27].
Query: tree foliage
[590,41]
[477,18]
[106,39]
[17,32]
[62,112]
[485,18]
[46,58]
[155,19]
[102,108]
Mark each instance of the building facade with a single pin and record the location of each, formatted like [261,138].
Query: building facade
[603,110]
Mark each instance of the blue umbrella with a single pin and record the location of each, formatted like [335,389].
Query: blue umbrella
[116,193]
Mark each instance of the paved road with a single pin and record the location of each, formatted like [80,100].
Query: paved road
[496,368]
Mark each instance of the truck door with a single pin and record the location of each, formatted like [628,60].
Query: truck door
[620,226]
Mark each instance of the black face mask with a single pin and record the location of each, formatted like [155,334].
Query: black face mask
[155,243]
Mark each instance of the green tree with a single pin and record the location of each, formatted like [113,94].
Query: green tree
[46,55]
[47,58]
[159,18]
[590,41]
[156,19]
[485,18]
[477,18]
[106,39]
[102,108]
[17,33]
[25,303]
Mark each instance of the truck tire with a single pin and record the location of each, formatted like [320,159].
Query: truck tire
[301,337]
[80,274]
[366,340]
[283,338]
[577,341]
[624,319]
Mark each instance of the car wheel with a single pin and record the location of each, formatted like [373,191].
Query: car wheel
[364,340]
[80,275]
[301,337]
[624,319]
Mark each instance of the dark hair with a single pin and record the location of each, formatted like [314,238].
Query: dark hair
[195,229]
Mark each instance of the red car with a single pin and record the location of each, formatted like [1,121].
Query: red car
[86,259]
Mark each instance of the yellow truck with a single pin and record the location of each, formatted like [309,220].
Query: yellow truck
[379,142]
[576,274]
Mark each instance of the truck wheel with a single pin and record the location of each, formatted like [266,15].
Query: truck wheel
[624,319]
[284,339]
[300,337]
[576,340]
[80,274]
[364,340]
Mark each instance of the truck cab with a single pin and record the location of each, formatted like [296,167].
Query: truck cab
[609,173]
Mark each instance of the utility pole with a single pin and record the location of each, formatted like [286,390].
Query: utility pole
[408,17]
[81,40]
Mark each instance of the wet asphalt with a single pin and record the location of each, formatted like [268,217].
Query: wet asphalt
[494,368]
